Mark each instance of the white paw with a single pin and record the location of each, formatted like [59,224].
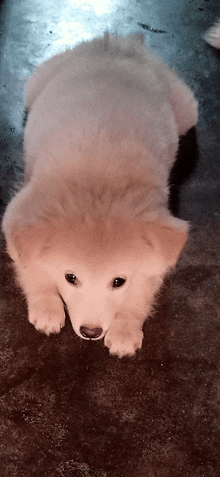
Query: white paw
[47,321]
[123,342]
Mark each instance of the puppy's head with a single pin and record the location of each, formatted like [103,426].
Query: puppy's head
[109,270]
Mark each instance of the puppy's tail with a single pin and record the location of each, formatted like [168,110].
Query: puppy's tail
[212,36]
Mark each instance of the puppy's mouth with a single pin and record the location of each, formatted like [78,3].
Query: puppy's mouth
[88,333]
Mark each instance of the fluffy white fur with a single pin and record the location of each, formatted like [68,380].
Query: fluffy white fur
[101,136]
[212,36]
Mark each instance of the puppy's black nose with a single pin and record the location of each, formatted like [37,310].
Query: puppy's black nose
[90,333]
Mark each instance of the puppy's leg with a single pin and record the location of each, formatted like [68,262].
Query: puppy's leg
[46,312]
[184,104]
[125,335]
[45,307]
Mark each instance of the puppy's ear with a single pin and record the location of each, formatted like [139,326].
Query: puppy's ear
[15,236]
[168,238]
[23,241]
[23,233]
[137,37]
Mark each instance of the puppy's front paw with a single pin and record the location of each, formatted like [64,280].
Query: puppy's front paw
[47,320]
[123,341]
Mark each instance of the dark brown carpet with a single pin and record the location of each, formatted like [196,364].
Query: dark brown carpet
[70,409]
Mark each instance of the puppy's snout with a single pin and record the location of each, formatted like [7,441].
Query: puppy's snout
[90,333]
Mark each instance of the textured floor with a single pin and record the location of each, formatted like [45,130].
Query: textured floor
[69,409]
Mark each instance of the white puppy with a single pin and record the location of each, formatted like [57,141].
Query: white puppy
[90,223]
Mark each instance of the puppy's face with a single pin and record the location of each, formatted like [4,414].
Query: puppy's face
[102,273]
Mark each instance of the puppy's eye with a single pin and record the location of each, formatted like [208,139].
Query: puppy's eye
[71,278]
[118,282]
